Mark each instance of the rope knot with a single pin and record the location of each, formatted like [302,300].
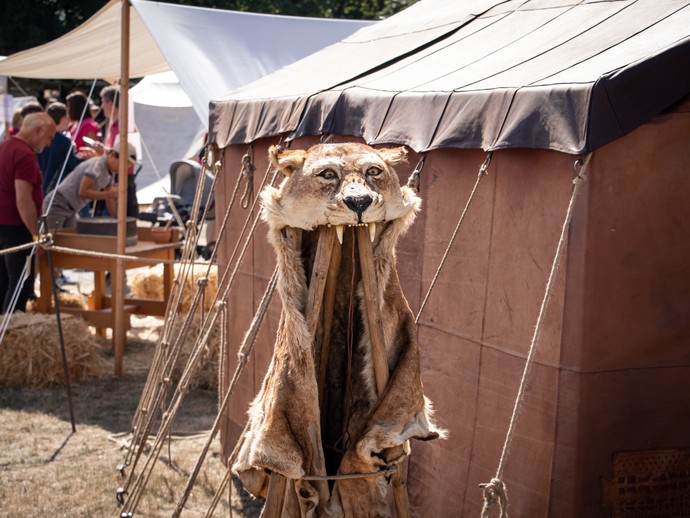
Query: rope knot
[248,167]
[45,240]
[247,172]
[413,180]
[202,282]
[485,166]
[495,499]
[579,168]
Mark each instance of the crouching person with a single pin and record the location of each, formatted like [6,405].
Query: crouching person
[90,180]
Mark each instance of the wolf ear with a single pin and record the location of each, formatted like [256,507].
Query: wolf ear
[286,160]
[394,156]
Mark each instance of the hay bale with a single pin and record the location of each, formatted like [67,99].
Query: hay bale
[72,300]
[30,352]
[148,284]
[206,375]
[67,300]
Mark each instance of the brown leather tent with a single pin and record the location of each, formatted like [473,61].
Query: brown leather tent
[603,427]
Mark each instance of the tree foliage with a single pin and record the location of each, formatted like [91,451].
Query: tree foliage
[25,25]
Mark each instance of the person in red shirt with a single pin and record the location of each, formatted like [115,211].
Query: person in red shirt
[21,196]
[77,111]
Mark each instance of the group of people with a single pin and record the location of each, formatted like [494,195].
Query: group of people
[54,162]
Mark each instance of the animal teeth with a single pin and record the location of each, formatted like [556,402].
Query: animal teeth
[372,231]
[339,232]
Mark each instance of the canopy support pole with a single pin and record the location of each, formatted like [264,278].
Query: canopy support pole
[118,280]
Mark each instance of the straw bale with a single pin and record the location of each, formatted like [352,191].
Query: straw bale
[206,375]
[72,300]
[67,300]
[30,351]
[148,284]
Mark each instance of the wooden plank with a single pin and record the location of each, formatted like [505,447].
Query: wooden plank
[275,497]
[371,301]
[328,303]
[100,318]
[319,274]
[378,351]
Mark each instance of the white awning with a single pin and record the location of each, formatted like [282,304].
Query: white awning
[212,51]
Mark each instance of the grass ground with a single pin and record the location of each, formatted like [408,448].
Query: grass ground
[47,470]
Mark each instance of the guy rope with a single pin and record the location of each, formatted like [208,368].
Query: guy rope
[159,381]
[495,496]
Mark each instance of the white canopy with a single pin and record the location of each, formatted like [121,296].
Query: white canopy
[211,51]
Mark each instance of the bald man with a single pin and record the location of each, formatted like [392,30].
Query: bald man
[21,197]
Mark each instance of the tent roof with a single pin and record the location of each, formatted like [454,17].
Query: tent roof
[212,51]
[91,51]
[569,75]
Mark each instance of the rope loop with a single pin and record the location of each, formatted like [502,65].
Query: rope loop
[413,180]
[495,499]
[484,168]
[247,172]
[579,168]
[120,495]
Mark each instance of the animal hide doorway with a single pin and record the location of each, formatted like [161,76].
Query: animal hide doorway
[343,394]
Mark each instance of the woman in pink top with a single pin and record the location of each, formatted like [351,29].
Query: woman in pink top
[76,104]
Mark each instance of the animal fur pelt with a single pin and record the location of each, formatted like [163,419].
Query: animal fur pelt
[355,432]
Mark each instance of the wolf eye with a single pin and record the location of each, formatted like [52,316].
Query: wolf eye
[374,171]
[328,174]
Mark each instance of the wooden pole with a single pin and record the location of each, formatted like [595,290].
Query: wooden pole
[319,274]
[63,354]
[328,306]
[317,285]
[118,280]
[378,350]
[275,496]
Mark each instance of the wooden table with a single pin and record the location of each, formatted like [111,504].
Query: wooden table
[100,312]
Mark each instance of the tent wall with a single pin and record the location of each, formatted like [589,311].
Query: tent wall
[611,369]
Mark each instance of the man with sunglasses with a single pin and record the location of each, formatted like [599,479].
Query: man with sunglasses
[93,179]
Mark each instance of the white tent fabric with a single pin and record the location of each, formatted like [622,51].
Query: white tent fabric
[169,127]
[161,89]
[90,51]
[212,51]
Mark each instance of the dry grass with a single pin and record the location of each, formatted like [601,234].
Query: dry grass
[48,471]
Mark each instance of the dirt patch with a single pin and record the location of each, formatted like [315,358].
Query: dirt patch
[49,471]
